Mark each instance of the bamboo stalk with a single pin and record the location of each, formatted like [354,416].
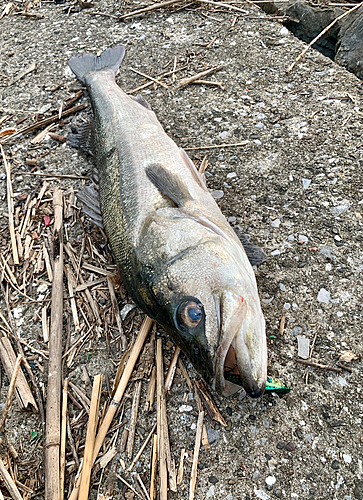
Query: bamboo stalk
[90,439]
[144,330]
[63,440]
[153,468]
[9,397]
[193,479]
[10,208]
[53,410]
[8,480]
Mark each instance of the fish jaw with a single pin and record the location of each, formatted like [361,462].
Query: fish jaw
[242,348]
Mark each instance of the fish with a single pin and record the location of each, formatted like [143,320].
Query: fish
[179,258]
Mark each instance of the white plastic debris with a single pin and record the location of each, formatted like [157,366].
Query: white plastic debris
[323,296]
[303,347]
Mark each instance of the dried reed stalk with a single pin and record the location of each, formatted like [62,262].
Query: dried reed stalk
[139,453]
[63,440]
[193,479]
[8,480]
[53,410]
[160,397]
[133,419]
[90,439]
[171,371]
[9,189]
[144,330]
[153,468]
[9,397]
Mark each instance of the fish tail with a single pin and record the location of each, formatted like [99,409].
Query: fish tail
[85,63]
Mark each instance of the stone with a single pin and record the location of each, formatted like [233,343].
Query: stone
[358,489]
[335,464]
[350,51]
[323,296]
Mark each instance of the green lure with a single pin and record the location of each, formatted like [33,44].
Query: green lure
[272,385]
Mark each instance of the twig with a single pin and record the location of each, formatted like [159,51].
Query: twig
[133,419]
[344,367]
[142,486]
[318,365]
[321,34]
[9,397]
[191,79]
[144,330]
[149,8]
[43,123]
[23,73]
[53,410]
[155,80]
[171,2]
[185,374]
[129,486]
[217,146]
[62,466]
[57,176]
[198,437]
[9,189]
[282,325]
[116,313]
[209,404]
[90,439]
[72,443]
[171,371]
[139,453]
[8,480]
[153,468]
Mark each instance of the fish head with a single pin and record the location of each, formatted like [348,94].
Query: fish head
[214,315]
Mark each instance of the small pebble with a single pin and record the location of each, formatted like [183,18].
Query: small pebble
[213,479]
[270,480]
[229,410]
[281,445]
[335,465]
[290,446]
[324,296]
[262,495]
[303,344]
[211,491]
[278,493]
[347,458]
[217,194]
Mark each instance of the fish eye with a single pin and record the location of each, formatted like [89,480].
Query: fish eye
[190,313]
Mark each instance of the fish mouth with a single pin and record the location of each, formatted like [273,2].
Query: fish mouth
[241,358]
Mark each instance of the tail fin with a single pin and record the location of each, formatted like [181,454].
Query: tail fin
[85,63]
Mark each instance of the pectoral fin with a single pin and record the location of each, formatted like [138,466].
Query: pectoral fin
[255,254]
[171,185]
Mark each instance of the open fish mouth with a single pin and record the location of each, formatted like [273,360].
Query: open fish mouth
[235,368]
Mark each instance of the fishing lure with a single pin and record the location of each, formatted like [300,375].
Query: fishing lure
[273,384]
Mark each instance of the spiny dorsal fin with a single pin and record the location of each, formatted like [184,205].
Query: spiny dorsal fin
[141,101]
